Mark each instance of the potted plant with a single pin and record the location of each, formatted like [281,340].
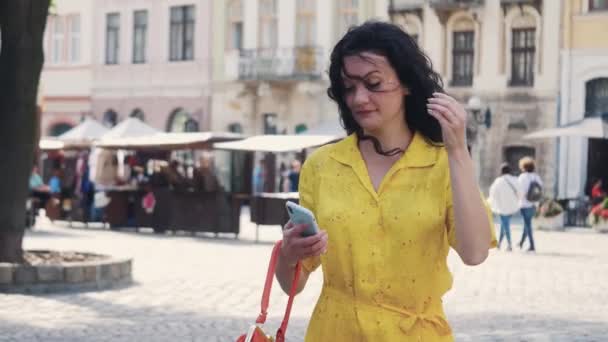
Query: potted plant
[598,217]
[550,216]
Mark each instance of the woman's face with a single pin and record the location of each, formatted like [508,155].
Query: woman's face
[373,91]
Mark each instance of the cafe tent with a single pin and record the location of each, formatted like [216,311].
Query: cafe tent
[277,143]
[83,134]
[595,127]
[131,127]
[169,141]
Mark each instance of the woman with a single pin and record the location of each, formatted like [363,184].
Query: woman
[392,197]
[597,192]
[527,179]
[504,200]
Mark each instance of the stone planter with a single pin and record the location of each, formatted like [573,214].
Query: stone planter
[550,223]
[601,226]
[67,276]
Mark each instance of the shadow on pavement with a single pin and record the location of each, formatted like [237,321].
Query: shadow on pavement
[120,322]
[127,323]
[52,233]
[523,327]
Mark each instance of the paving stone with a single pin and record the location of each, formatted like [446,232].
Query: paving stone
[208,289]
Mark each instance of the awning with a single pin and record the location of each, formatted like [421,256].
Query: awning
[277,143]
[83,134]
[590,128]
[169,141]
[50,144]
[131,127]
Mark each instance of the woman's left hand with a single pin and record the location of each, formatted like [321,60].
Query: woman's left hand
[453,120]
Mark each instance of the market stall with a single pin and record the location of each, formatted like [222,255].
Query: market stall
[197,203]
[268,208]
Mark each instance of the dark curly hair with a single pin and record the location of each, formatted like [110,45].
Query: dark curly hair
[412,66]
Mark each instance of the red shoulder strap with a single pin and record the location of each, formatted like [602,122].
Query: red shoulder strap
[268,286]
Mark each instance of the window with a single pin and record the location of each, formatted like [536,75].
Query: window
[523,49]
[268,23]
[140,29]
[348,14]
[235,127]
[59,128]
[598,5]
[74,24]
[182,33]
[596,98]
[270,123]
[138,113]
[181,121]
[512,154]
[305,23]
[462,58]
[235,24]
[112,37]
[110,118]
[57,40]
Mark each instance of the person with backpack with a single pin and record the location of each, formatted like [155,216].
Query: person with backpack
[504,201]
[532,186]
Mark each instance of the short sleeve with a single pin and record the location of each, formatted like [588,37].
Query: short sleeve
[306,189]
[55,185]
[451,222]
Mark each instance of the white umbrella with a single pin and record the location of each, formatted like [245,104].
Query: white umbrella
[83,134]
[277,143]
[596,127]
[131,127]
[48,144]
[169,141]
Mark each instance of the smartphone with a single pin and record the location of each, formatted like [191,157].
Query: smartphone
[300,215]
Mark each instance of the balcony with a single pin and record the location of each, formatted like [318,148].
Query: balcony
[402,7]
[506,4]
[451,5]
[281,64]
[405,5]
[445,8]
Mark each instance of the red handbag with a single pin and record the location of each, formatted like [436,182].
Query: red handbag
[255,332]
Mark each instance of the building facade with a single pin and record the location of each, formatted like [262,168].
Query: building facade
[584,93]
[152,60]
[66,78]
[499,58]
[270,61]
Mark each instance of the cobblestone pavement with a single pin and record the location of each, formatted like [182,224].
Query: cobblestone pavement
[202,288]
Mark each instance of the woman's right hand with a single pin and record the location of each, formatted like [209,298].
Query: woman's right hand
[295,247]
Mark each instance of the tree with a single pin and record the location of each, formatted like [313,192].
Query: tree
[22,24]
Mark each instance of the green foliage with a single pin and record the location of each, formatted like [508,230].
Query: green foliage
[550,208]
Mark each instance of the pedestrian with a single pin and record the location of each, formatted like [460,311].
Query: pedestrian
[597,192]
[259,176]
[391,198]
[38,189]
[294,175]
[283,178]
[531,188]
[504,201]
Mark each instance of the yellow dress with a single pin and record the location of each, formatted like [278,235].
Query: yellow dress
[385,270]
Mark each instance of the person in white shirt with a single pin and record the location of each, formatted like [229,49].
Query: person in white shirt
[504,201]
[528,208]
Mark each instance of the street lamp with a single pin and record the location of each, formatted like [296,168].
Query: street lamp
[481,116]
